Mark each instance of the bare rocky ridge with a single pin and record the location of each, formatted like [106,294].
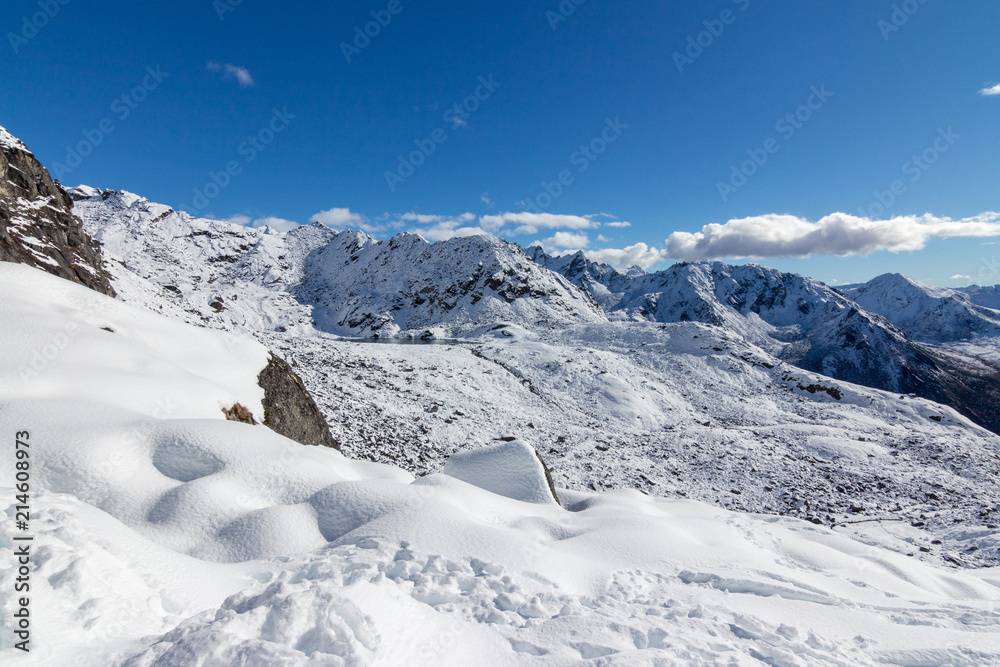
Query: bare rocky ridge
[37,224]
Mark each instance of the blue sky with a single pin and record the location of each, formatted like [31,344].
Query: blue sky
[597,96]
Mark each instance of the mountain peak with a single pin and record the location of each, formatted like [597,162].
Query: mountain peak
[37,224]
[9,141]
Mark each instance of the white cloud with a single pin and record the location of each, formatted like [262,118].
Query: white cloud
[634,255]
[530,223]
[241,74]
[423,219]
[601,238]
[838,234]
[238,219]
[447,230]
[961,277]
[441,227]
[486,199]
[339,217]
[618,225]
[565,240]
[992,90]
[277,224]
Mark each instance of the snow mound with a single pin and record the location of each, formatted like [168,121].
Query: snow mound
[511,469]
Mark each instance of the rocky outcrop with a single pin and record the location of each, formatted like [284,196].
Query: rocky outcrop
[37,225]
[289,410]
[238,413]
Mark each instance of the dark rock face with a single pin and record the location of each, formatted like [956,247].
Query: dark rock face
[37,225]
[289,410]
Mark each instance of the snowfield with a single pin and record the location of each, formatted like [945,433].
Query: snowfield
[166,535]
[676,409]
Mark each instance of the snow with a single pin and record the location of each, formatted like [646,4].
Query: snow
[172,536]
[511,469]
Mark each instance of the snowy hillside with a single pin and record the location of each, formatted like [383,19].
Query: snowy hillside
[165,535]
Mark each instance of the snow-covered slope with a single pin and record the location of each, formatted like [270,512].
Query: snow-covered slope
[165,535]
[924,313]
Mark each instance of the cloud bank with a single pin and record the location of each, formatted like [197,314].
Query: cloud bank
[634,255]
[565,240]
[530,223]
[839,234]
[755,238]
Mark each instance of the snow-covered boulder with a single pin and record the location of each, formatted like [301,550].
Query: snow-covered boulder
[511,469]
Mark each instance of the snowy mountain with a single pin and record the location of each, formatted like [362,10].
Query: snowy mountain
[163,534]
[927,314]
[987,297]
[37,225]
[345,283]
[858,335]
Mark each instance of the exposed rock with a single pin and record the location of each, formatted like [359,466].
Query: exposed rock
[548,477]
[37,224]
[289,410]
[238,413]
